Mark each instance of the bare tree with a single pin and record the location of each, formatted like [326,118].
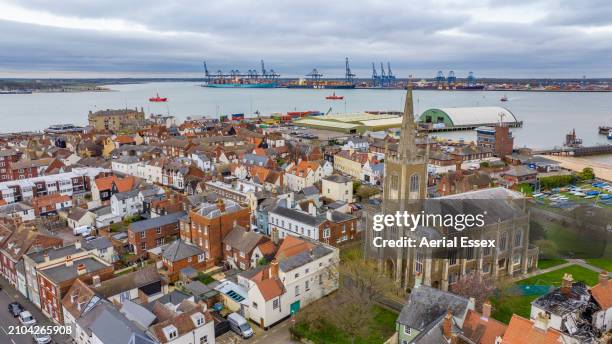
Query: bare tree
[476,285]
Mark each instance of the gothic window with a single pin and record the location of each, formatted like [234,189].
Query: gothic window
[518,238]
[502,241]
[394,182]
[418,266]
[414,183]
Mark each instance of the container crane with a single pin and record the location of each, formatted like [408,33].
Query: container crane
[263,69]
[390,74]
[349,76]
[315,75]
[206,73]
[451,79]
[440,79]
[375,78]
[471,80]
[383,76]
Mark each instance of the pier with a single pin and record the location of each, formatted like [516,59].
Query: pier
[577,151]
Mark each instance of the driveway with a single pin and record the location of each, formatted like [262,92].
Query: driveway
[278,334]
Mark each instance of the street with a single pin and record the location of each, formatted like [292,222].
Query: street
[8,295]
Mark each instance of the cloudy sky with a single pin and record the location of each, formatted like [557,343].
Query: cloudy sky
[519,38]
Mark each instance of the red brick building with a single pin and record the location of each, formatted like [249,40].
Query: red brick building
[238,247]
[209,225]
[179,255]
[33,168]
[54,281]
[50,204]
[7,157]
[147,234]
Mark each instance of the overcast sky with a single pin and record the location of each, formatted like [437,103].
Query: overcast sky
[494,38]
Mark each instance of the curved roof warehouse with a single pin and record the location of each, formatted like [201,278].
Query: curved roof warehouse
[468,116]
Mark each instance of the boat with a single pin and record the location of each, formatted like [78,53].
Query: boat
[604,130]
[504,98]
[241,85]
[610,134]
[158,99]
[334,97]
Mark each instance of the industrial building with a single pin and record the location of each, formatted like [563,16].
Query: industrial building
[463,118]
[351,123]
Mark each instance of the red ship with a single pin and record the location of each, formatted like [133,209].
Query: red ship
[334,97]
[158,99]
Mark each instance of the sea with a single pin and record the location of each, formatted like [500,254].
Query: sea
[546,116]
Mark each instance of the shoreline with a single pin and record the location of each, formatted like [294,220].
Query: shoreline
[603,170]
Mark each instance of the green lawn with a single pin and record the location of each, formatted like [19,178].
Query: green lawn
[565,242]
[554,277]
[381,329]
[507,304]
[549,263]
[602,263]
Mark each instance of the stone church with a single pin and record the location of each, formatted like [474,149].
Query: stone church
[405,190]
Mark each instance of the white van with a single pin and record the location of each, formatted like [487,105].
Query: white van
[239,325]
[83,230]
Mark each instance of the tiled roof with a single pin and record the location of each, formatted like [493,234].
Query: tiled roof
[132,280]
[242,240]
[522,331]
[482,330]
[179,250]
[155,222]
[602,293]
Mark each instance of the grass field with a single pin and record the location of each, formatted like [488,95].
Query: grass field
[507,304]
[565,242]
[381,328]
[602,263]
[549,263]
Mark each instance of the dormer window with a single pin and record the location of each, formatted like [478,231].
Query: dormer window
[171,332]
[198,319]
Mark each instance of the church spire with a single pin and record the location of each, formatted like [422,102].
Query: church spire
[407,144]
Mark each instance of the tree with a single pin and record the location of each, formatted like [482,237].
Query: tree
[476,285]
[587,174]
[365,192]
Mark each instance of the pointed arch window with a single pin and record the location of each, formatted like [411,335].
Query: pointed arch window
[414,183]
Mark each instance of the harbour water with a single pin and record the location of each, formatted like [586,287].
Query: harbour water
[547,116]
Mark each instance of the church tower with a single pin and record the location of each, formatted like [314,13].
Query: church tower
[405,178]
[404,189]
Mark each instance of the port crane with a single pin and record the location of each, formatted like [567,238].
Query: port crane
[375,77]
[471,79]
[390,74]
[235,73]
[440,79]
[451,79]
[315,75]
[349,76]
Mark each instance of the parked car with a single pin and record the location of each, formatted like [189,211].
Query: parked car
[83,230]
[26,318]
[239,325]
[42,338]
[15,308]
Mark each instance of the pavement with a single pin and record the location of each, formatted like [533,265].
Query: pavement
[10,294]
[278,334]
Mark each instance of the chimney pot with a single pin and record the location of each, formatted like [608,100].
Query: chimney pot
[274,268]
[96,281]
[81,269]
[566,284]
[603,278]
[77,244]
[448,323]
[46,256]
[541,321]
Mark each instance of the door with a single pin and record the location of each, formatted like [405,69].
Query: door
[295,307]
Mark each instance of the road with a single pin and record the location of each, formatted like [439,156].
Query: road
[8,295]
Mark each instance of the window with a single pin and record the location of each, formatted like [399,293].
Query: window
[486,268]
[297,275]
[158,230]
[414,183]
[452,257]
[516,259]
[204,340]
[418,261]
[307,286]
[142,235]
[275,304]
[143,245]
[502,241]
[321,279]
[407,330]
[518,238]
[486,251]
[297,290]
[228,247]
[255,305]
[326,233]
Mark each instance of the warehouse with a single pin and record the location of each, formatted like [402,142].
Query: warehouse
[468,117]
[351,123]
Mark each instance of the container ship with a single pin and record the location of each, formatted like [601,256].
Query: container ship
[235,79]
[314,80]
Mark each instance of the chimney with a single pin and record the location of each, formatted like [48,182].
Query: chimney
[81,269]
[46,257]
[603,278]
[448,324]
[312,210]
[275,236]
[221,205]
[541,322]
[77,244]
[486,310]
[458,171]
[273,269]
[566,285]
[68,261]
[96,281]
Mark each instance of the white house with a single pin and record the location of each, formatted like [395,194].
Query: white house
[357,144]
[127,165]
[77,217]
[192,324]
[22,210]
[302,272]
[304,174]
[372,173]
[102,248]
[126,203]
[295,222]
[337,188]
[201,160]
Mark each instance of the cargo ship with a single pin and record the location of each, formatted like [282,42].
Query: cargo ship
[321,84]
[158,99]
[235,79]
